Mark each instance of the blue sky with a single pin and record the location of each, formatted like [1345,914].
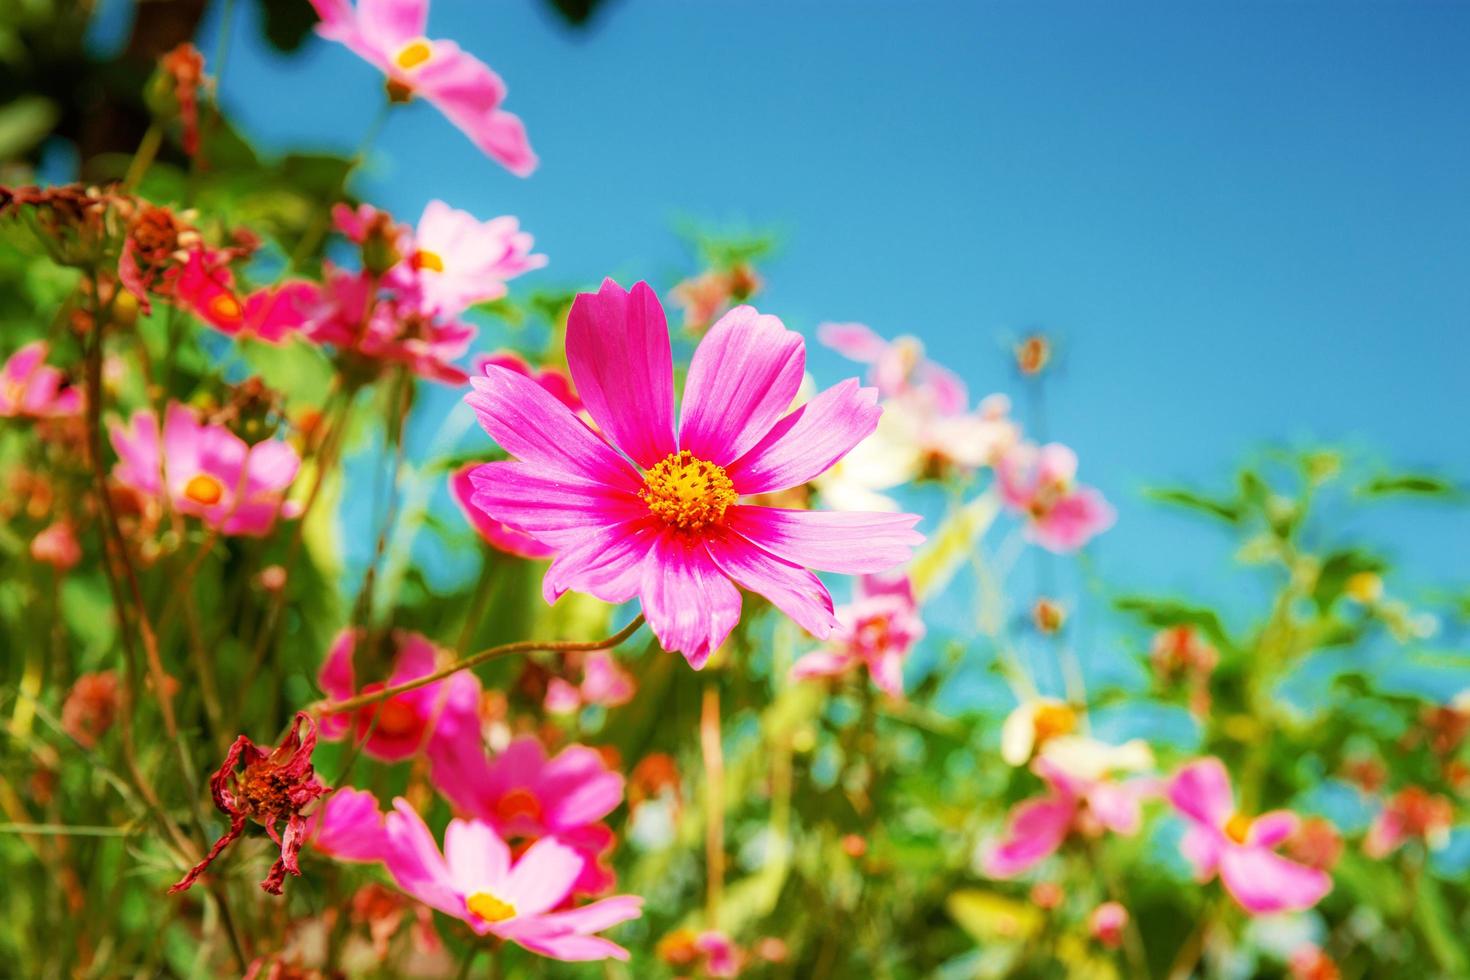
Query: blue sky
[1243,223]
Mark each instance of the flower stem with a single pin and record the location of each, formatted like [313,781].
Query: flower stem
[714,804]
[490,653]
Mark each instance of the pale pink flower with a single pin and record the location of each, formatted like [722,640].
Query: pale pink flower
[206,471]
[1241,849]
[877,630]
[603,683]
[899,367]
[475,880]
[525,795]
[389,34]
[1040,483]
[401,726]
[31,388]
[1083,797]
[57,546]
[454,260]
[660,517]
[1107,922]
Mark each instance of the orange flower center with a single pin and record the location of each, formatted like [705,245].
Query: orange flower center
[225,307]
[428,260]
[413,54]
[1238,827]
[519,802]
[489,907]
[204,489]
[687,492]
[1052,720]
[397,719]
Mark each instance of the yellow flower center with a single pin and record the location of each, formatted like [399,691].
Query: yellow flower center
[413,54]
[1052,720]
[1238,827]
[204,489]
[225,307]
[687,492]
[428,260]
[490,908]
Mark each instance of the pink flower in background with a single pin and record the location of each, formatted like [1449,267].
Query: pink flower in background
[1083,797]
[453,260]
[273,313]
[389,328]
[57,546]
[603,683]
[348,826]
[659,517]
[899,367]
[525,795]
[1241,849]
[877,630]
[400,726]
[475,880]
[31,388]
[1411,812]
[389,34]
[1041,484]
[206,471]
[1107,922]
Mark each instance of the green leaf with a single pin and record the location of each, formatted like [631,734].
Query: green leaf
[1409,484]
[1225,510]
[24,123]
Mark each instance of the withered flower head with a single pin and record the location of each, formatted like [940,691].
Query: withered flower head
[79,225]
[1033,354]
[176,89]
[90,707]
[271,787]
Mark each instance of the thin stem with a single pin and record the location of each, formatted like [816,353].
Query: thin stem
[714,804]
[491,653]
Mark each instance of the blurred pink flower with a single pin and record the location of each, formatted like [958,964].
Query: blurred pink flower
[1041,484]
[453,260]
[271,314]
[348,826]
[1411,812]
[32,388]
[603,683]
[899,367]
[1241,849]
[375,328]
[400,726]
[1082,796]
[1106,924]
[206,471]
[670,529]
[57,546]
[877,630]
[525,795]
[475,880]
[389,34]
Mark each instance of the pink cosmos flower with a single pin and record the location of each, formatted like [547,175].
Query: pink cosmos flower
[32,388]
[348,826]
[877,630]
[660,516]
[57,546]
[1041,484]
[374,327]
[525,795]
[455,260]
[389,34]
[1241,849]
[1107,922]
[401,726]
[603,683]
[899,367]
[206,471]
[1082,797]
[474,880]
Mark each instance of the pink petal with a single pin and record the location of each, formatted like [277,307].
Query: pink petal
[542,877]
[413,859]
[691,606]
[607,563]
[349,827]
[534,427]
[1263,882]
[498,535]
[1116,807]
[618,350]
[478,859]
[743,377]
[569,947]
[949,392]
[821,663]
[793,590]
[1270,829]
[555,508]
[887,673]
[1201,847]
[139,459]
[578,788]
[596,916]
[807,442]
[1073,521]
[852,340]
[1201,791]
[469,94]
[1035,830]
[830,541]
[393,22]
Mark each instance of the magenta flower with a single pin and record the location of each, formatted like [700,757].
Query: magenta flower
[603,683]
[31,388]
[453,260]
[389,34]
[474,880]
[401,726]
[525,795]
[348,826]
[898,367]
[659,516]
[206,471]
[273,313]
[877,630]
[1241,849]
[1082,797]
[1041,484]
